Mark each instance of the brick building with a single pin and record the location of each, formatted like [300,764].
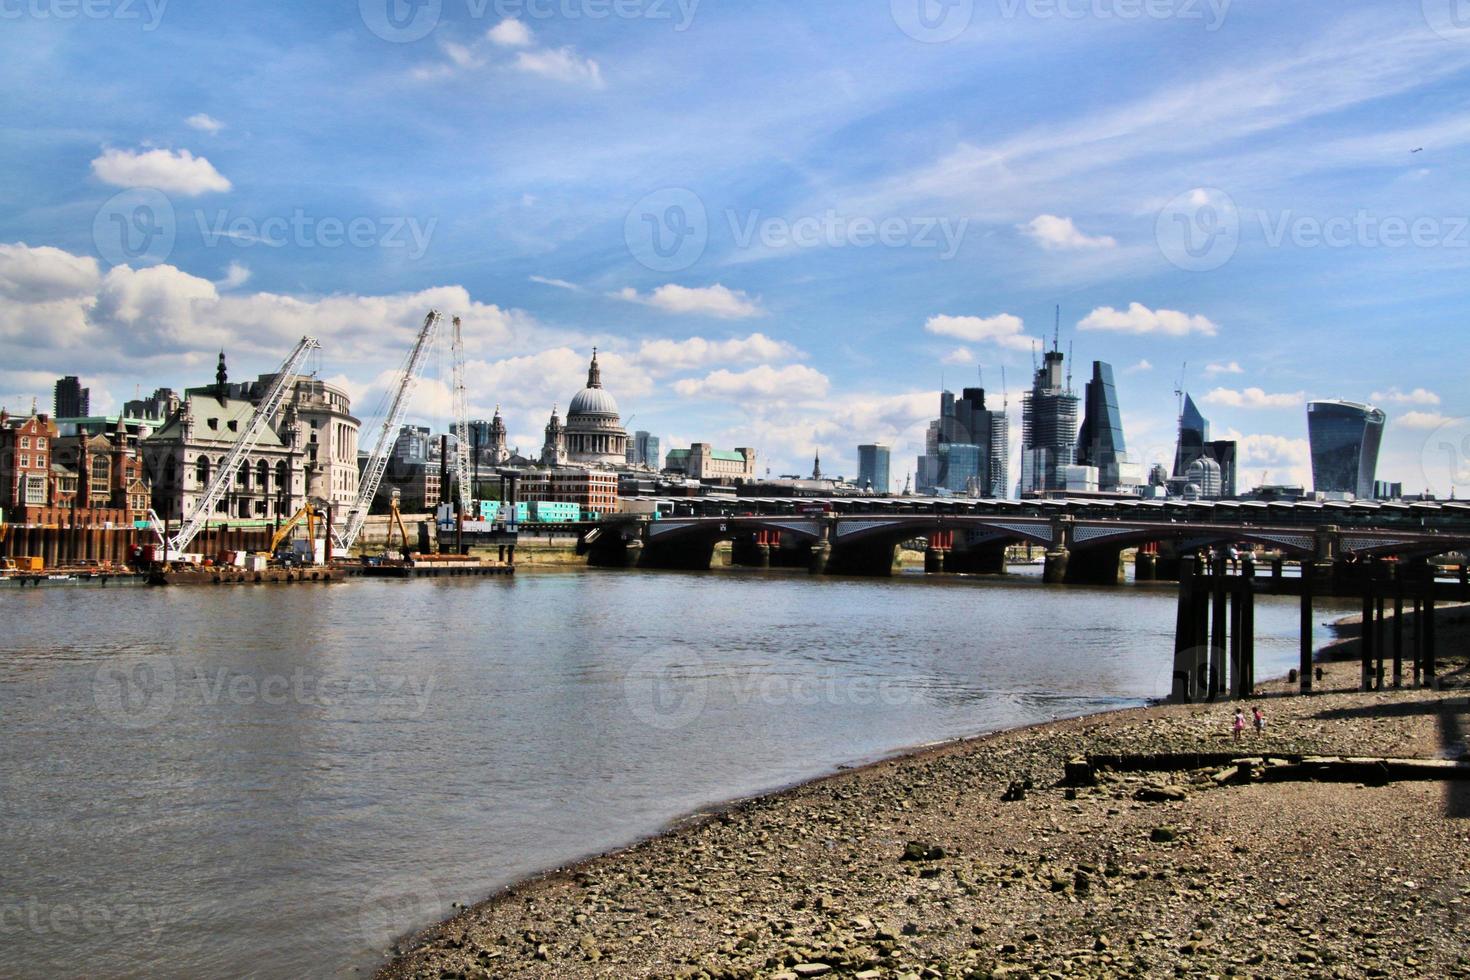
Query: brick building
[25,464]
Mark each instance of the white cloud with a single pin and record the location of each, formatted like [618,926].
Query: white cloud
[717,300]
[558,283]
[45,274]
[1003,329]
[462,55]
[661,356]
[177,173]
[562,65]
[1139,319]
[1143,365]
[1283,460]
[509,33]
[1232,368]
[1422,420]
[205,123]
[236,276]
[1419,396]
[793,382]
[1254,398]
[1062,235]
[960,355]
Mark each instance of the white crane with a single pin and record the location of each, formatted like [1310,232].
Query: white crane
[377,462]
[461,425]
[243,446]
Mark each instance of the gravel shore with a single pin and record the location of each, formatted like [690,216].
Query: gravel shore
[974,859]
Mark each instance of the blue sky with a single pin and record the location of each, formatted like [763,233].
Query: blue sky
[853,198]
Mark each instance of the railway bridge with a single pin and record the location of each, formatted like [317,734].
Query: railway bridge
[1083,541]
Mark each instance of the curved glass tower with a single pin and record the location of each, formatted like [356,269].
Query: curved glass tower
[1345,437]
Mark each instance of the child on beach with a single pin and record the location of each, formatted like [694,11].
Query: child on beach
[1258,719]
[1238,725]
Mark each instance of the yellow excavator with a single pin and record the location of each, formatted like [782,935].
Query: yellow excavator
[395,521]
[307,513]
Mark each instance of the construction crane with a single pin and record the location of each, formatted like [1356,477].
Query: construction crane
[244,446]
[377,461]
[307,513]
[461,424]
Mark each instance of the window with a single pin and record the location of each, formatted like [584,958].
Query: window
[40,442]
[263,475]
[201,471]
[100,475]
[282,475]
[36,491]
[242,475]
[214,424]
[25,442]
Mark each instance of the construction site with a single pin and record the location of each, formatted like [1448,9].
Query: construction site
[319,543]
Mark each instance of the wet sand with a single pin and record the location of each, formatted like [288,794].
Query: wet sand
[943,863]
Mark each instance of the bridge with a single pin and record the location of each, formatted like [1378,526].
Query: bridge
[1083,540]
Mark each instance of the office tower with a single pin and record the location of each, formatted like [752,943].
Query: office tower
[1100,441]
[873,463]
[1194,432]
[71,401]
[1344,437]
[643,450]
[1224,452]
[967,449]
[1048,428]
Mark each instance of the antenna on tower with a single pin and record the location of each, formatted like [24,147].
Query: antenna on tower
[1005,391]
[1179,390]
[1056,344]
[1033,357]
[1069,365]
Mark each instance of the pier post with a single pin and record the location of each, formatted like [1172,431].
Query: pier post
[1365,640]
[1379,640]
[1145,565]
[1219,638]
[1304,664]
[1431,665]
[1182,687]
[1248,633]
[1054,572]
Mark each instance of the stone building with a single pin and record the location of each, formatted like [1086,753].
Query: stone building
[703,462]
[594,433]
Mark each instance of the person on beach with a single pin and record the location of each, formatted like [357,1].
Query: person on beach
[1258,719]
[1238,725]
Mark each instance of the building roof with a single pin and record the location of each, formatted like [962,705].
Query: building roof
[215,421]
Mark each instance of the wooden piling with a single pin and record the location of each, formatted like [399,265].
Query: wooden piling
[1304,665]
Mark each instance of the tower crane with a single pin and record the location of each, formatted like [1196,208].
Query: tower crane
[377,462]
[243,446]
[461,424]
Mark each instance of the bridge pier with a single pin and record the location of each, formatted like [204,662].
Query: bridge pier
[821,558]
[750,551]
[1094,566]
[1145,566]
[1054,572]
[871,557]
[977,560]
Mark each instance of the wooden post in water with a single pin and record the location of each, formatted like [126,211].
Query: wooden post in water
[1365,640]
[1219,639]
[1304,665]
[1181,688]
[1398,625]
[1248,632]
[1418,646]
[1431,665]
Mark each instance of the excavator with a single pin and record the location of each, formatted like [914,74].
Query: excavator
[395,520]
[307,513]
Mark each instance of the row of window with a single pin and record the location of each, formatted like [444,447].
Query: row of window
[25,442]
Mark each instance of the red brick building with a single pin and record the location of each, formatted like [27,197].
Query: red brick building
[26,445]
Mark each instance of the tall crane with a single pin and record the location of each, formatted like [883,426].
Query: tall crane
[461,424]
[377,462]
[244,446]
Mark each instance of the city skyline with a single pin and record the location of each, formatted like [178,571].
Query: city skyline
[762,339]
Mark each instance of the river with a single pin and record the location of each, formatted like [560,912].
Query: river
[277,781]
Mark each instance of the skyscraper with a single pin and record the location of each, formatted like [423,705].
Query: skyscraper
[1344,437]
[643,450]
[1100,441]
[71,401]
[967,449]
[1048,428]
[1194,432]
[873,463]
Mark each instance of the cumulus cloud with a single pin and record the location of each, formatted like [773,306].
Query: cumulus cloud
[717,300]
[1003,329]
[1139,319]
[1283,459]
[509,33]
[562,65]
[171,172]
[1422,420]
[1419,396]
[1062,235]
[205,123]
[661,356]
[236,275]
[960,355]
[792,382]
[1231,368]
[1143,365]
[45,274]
[1254,398]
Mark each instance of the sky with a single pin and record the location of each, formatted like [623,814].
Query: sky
[783,223]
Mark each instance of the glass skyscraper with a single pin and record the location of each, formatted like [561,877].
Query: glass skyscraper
[1048,428]
[1194,432]
[1100,440]
[967,450]
[873,463]
[1345,437]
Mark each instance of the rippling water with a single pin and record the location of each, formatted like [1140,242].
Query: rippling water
[275,782]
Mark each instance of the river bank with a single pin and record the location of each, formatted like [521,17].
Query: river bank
[944,863]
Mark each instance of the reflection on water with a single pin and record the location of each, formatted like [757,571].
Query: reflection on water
[276,782]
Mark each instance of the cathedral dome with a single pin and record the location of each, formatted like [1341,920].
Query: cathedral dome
[592,401]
